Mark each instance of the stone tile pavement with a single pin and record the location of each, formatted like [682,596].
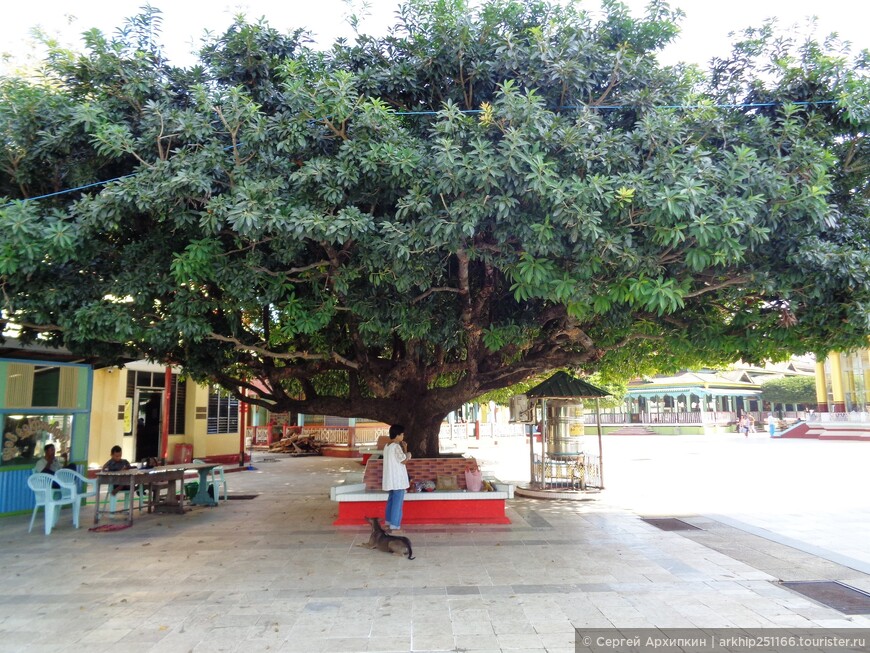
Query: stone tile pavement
[273,574]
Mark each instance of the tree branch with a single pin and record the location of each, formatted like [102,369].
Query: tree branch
[725,284]
[238,345]
[282,273]
[420,298]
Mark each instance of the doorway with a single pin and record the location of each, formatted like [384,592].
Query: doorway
[147,418]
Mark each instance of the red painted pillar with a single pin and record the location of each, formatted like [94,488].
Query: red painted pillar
[167,406]
[243,414]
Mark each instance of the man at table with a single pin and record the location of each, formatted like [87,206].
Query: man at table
[116,464]
[49,464]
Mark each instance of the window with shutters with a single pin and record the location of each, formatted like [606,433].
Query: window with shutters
[177,400]
[223,412]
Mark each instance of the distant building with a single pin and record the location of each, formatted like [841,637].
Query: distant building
[706,400]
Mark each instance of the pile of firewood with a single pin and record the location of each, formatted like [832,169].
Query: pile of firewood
[298,444]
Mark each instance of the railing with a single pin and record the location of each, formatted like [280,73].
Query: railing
[576,472]
[592,470]
[328,434]
[707,417]
[259,435]
[840,418]
[368,435]
[608,418]
[458,431]
[463,430]
[644,417]
[346,435]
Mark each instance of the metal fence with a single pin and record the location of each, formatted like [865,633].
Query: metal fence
[347,435]
[464,430]
[257,435]
[575,472]
[693,417]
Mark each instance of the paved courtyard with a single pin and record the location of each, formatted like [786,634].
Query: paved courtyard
[809,494]
[273,574]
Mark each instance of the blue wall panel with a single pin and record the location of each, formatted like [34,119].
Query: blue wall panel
[14,493]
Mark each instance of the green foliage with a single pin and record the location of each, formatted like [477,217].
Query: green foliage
[790,390]
[397,225]
[502,396]
[617,390]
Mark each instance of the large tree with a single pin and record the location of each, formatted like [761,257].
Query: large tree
[790,390]
[397,225]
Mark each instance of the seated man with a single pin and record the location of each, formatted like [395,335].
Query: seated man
[49,464]
[116,464]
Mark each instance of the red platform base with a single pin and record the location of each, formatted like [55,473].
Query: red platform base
[465,511]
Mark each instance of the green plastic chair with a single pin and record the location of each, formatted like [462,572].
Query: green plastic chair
[217,479]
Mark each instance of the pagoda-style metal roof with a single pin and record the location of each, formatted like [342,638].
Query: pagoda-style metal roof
[564,386]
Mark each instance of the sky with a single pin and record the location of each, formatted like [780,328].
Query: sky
[705,28]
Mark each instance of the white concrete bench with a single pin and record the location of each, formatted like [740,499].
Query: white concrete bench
[355,503]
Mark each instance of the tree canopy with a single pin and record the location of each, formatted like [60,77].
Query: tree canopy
[790,390]
[396,225]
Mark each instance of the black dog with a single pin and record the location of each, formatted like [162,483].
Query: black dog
[383,541]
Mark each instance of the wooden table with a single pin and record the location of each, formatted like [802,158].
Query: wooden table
[174,500]
[134,477]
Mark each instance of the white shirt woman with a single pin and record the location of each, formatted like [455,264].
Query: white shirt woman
[395,472]
[395,479]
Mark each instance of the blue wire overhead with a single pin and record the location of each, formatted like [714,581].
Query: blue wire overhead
[746,105]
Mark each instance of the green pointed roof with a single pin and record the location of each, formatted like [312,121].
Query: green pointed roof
[564,386]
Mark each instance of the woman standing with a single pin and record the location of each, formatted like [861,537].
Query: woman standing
[395,477]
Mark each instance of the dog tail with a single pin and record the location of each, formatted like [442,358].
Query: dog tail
[410,550]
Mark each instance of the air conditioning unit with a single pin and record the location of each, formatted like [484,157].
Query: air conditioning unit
[521,410]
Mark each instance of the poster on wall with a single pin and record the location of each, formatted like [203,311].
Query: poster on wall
[128,416]
[25,437]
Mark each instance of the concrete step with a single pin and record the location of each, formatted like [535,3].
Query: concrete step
[633,430]
[831,431]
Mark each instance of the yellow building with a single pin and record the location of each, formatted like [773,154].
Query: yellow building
[148,415]
[843,382]
[50,396]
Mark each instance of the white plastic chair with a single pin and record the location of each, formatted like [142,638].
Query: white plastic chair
[85,488]
[51,499]
[217,479]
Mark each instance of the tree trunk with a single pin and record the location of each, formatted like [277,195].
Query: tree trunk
[422,432]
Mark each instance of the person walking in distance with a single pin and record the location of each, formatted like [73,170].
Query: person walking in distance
[396,479]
